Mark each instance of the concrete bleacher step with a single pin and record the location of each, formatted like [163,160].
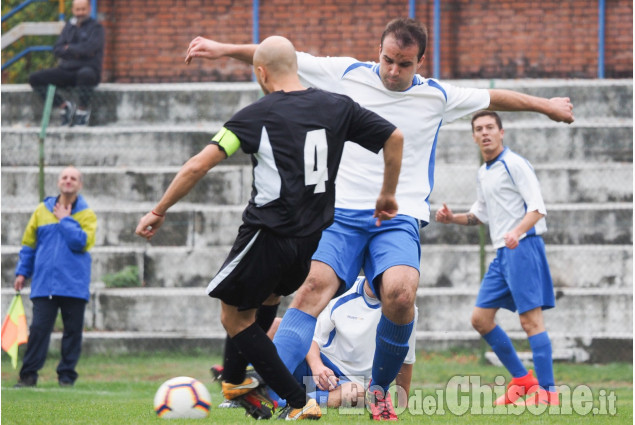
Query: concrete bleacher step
[442,266]
[198,225]
[560,182]
[579,311]
[123,315]
[112,186]
[132,104]
[568,182]
[599,348]
[541,141]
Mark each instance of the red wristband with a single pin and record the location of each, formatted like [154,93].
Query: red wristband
[158,215]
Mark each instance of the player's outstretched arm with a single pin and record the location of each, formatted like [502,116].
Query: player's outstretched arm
[559,109]
[386,207]
[446,216]
[205,48]
[191,172]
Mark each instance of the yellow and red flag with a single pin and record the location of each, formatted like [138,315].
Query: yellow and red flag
[14,329]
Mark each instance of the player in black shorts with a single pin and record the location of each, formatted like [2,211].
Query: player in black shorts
[295,137]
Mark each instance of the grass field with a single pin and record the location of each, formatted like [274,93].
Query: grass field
[119,390]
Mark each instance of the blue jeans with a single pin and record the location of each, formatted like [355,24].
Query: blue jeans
[44,315]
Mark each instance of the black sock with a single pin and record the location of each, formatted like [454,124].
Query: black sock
[259,350]
[265,316]
[234,363]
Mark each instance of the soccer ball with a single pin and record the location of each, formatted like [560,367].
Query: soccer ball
[182,397]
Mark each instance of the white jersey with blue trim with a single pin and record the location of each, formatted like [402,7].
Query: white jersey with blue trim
[346,329]
[418,112]
[507,189]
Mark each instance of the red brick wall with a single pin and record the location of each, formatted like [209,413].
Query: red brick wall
[147,39]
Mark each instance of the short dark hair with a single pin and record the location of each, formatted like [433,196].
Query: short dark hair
[407,32]
[485,113]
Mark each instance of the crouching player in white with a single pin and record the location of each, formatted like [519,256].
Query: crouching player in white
[338,368]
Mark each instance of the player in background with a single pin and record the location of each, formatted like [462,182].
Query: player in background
[295,136]
[509,199]
[389,255]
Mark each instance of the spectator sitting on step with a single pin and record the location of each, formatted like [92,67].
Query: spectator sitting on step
[80,51]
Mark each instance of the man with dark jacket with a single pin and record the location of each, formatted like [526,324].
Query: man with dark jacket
[80,51]
[55,254]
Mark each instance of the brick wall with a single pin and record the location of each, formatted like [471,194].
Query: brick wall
[147,39]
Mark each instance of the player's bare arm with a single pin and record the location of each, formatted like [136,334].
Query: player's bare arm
[559,109]
[386,207]
[513,236]
[192,171]
[323,376]
[205,48]
[471,219]
[446,216]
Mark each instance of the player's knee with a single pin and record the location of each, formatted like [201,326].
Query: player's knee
[401,297]
[314,292]
[529,325]
[481,324]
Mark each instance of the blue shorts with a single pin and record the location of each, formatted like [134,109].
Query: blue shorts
[353,242]
[518,279]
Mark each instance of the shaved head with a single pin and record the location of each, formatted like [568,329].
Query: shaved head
[276,54]
[81,9]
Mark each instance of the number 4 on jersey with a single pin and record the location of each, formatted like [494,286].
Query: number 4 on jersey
[315,160]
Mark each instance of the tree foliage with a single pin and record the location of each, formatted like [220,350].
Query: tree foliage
[45,11]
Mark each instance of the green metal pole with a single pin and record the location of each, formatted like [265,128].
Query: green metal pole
[46,116]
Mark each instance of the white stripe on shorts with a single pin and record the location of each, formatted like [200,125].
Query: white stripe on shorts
[231,266]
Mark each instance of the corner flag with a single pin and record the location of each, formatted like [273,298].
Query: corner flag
[14,329]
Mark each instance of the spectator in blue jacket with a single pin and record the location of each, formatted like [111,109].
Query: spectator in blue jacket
[55,254]
[80,52]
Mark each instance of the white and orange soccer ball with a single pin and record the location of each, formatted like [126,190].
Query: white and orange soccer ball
[182,397]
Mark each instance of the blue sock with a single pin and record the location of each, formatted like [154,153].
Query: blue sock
[390,351]
[543,361]
[321,396]
[505,351]
[294,336]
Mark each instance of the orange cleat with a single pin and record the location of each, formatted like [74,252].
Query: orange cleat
[543,396]
[517,388]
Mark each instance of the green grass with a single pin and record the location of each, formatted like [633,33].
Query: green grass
[119,390]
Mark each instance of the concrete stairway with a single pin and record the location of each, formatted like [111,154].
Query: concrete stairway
[141,134]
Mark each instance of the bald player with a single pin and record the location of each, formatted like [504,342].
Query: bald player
[295,136]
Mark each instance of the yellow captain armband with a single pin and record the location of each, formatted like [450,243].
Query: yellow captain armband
[227,141]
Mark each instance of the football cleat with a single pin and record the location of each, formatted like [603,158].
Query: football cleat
[257,403]
[380,405]
[517,388]
[310,410]
[542,396]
